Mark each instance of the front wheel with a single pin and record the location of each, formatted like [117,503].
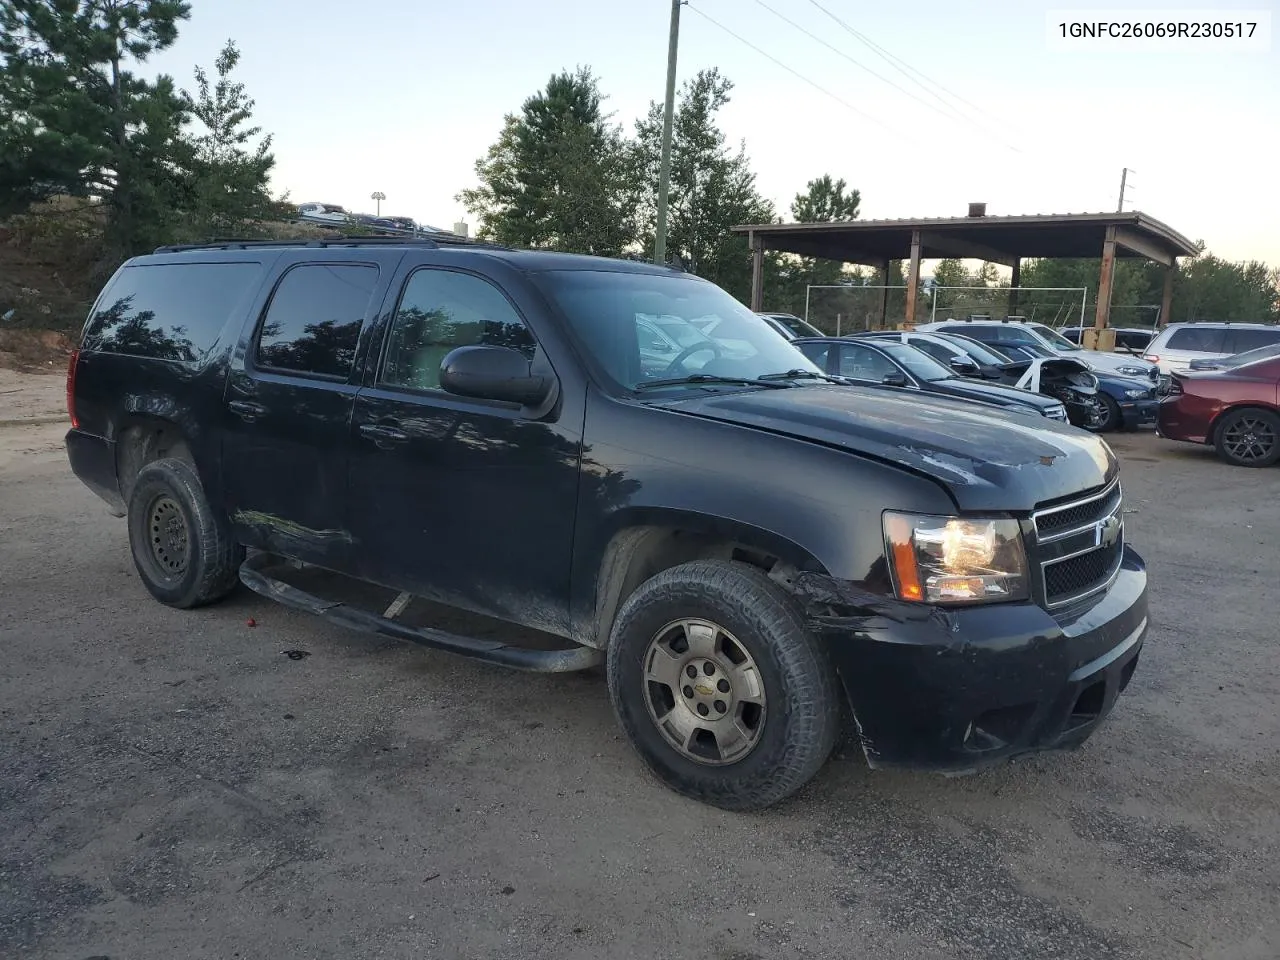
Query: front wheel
[720,688]
[1249,438]
[1106,414]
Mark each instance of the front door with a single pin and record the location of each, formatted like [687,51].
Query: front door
[465,501]
[287,412]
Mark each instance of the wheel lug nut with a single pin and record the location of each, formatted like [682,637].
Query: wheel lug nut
[691,670]
[720,707]
[702,710]
[723,686]
[688,692]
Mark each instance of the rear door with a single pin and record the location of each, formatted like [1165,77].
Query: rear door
[288,403]
[1240,339]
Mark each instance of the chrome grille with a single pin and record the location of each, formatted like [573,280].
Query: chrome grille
[1079,545]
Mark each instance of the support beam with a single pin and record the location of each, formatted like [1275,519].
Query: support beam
[913,278]
[1166,301]
[757,271]
[1014,282]
[1103,315]
[884,292]
[966,249]
[1131,240]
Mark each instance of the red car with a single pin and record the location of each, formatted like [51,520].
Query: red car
[1235,407]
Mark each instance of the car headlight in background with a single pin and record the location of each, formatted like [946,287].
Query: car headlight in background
[1138,393]
[955,560]
[1134,371]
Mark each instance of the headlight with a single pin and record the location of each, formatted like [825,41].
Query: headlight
[1134,371]
[955,560]
[1136,394]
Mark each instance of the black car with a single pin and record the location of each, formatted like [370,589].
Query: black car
[965,360]
[752,552]
[892,363]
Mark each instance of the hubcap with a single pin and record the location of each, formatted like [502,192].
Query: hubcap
[704,691]
[1249,438]
[170,546]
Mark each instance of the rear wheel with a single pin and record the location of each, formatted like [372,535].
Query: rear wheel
[182,547]
[720,688]
[1249,438]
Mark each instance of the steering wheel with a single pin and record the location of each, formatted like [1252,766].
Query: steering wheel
[678,361]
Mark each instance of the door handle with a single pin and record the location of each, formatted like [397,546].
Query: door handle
[383,434]
[246,410]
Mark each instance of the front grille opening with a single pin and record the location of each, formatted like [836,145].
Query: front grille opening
[998,728]
[1077,576]
[1078,515]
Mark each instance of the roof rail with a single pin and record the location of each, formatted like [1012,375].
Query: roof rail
[434,241]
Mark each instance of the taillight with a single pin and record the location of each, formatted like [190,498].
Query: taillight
[71,388]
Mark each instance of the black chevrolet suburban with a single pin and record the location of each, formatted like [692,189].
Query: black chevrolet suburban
[761,556]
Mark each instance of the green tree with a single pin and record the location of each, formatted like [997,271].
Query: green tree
[76,119]
[229,171]
[826,201]
[1210,288]
[557,176]
[823,200]
[712,186]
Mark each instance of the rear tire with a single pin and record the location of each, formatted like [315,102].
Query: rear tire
[1248,438]
[182,547]
[760,712]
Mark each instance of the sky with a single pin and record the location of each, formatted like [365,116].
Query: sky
[402,97]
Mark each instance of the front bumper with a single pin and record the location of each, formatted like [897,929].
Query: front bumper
[1139,413]
[961,689]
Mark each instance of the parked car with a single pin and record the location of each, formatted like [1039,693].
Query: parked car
[902,366]
[1114,402]
[946,351]
[750,544]
[1178,344]
[1131,340]
[791,326]
[1012,332]
[1235,408]
[324,213]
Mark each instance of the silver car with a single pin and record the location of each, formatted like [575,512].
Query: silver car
[1000,333]
[1178,344]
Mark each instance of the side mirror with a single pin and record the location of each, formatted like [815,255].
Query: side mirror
[493,373]
[894,379]
[965,367]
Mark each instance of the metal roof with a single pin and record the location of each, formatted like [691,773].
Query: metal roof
[999,239]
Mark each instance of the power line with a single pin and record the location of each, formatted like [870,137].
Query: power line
[946,110]
[901,65]
[795,73]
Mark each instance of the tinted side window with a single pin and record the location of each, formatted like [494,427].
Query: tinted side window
[1238,341]
[1200,339]
[314,319]
[816,352]
[860,363]
[439,311]
[169,311]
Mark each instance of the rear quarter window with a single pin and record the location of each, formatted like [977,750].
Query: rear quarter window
[1199,340]
[169,311]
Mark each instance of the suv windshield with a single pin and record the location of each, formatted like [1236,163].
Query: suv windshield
[1055,340]
[917,361]
[706,333]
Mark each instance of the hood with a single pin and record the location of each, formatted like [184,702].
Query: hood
[987,458]
[1112,362]
[995,393]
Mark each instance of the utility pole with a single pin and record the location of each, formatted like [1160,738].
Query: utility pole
[1124,176]
[668,118]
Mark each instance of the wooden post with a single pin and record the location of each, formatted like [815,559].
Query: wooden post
[757,272]
[884,294]
[1014,282]
[1096,339]
[1166,301]
[913,278]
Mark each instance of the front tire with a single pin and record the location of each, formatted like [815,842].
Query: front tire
[1248,438]
[182,548]
[720,688]
[1109,416]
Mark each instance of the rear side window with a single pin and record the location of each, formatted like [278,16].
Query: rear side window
[1238,341]
[816,352]
[313,322]
[1199,339]
[169,311]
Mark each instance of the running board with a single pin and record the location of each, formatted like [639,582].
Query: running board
[490,651]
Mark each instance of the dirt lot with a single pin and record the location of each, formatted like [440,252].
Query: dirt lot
[173,785]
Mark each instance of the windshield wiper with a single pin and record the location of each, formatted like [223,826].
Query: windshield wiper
[799,374]
[698,379]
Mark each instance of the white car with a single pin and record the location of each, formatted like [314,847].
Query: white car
[328,213]
[1013,332]
[790,326]
[1178,344]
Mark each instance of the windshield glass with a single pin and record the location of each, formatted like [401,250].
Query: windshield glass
[1251,356]
[976,350]
[797,326]
[1055,340]
[640,327]
[917,361]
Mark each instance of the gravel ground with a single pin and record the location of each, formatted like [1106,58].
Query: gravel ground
[173,785]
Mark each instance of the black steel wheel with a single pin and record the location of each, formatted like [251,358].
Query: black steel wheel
[182,547]
[719,686]
[1249,437]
